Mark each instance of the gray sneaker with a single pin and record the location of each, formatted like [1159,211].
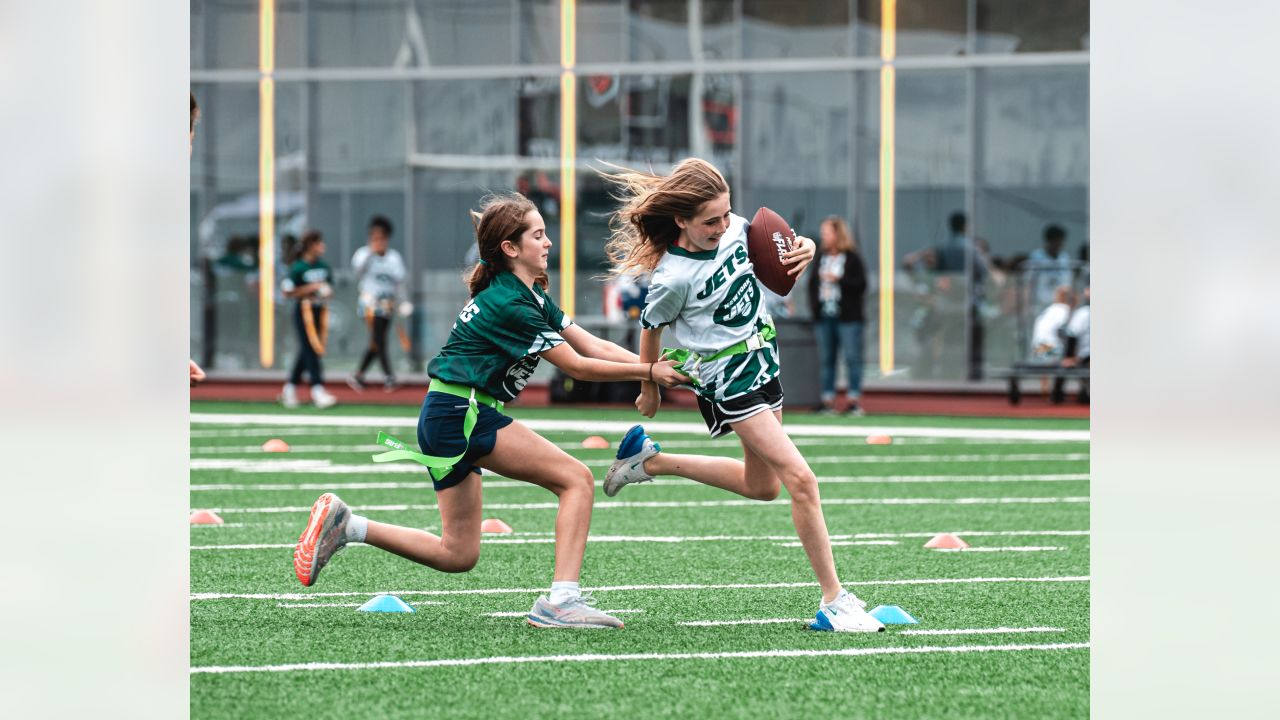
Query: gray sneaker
[325,534]
[577,613]
[635,448]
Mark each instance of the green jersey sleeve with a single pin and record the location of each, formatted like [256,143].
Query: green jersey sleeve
[524,329]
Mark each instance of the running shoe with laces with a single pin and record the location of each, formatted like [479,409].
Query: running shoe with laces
[325,534]
[579,612]
[846,614]
[635,448]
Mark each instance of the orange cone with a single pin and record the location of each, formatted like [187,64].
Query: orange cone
[275,445]
[879,440]
[595,442]
[204,517]
[494,525]
[946,541]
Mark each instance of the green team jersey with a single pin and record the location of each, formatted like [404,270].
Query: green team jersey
[303,272]
[495,342]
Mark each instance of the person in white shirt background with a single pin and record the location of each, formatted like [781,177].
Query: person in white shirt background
[380,274]
[1076,350]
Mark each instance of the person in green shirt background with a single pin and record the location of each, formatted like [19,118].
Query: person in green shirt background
[310,282]
[496,343]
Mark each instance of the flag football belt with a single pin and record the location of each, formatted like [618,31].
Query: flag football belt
[438,465]
[689,362]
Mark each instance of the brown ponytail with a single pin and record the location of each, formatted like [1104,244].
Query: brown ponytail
[501,218]
[644,227]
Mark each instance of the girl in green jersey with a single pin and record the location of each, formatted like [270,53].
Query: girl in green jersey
[495,345]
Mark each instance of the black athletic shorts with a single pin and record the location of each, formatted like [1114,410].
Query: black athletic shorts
[720,416]
[440,433]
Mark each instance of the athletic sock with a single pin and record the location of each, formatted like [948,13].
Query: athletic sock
[563,591]
[357,528]
[838,596]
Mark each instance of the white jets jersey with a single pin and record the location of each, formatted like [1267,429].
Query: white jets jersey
[712,300]
[380,278]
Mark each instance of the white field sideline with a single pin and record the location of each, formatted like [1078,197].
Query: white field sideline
[507,483]
[362,433]
[369,447]
[751,654]
[620,588]
[549,539]
[490,540]
[624,504]
[1024,548]
[519,613]
[957,631]
[619,427]
[317,466]
[981,631]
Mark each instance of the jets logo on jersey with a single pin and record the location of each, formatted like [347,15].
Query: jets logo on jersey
[740,303]
[518,376]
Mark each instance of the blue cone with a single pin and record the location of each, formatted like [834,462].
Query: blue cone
[893,615]
[385,603]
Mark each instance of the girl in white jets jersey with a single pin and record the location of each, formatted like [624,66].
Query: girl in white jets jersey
[680,228]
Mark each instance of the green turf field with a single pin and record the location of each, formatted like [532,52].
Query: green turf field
[260,641]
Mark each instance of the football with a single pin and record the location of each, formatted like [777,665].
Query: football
[768,238]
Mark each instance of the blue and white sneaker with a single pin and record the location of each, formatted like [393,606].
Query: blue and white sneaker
[635,448]
[577,613]
[846,614]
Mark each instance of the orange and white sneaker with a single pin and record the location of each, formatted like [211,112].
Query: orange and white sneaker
[326,533]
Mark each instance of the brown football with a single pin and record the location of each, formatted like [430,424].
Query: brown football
[768,237]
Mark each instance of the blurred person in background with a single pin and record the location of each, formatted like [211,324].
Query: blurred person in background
[1046,335]
[1075,350]
[1049,266]
[836,294]
[380,274]
[197,375]
[310,282]
[944,318]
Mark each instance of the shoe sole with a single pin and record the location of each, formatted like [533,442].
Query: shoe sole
[304,552]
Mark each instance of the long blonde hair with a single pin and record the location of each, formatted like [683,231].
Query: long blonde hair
[501,218]
[645,227]
[844,239]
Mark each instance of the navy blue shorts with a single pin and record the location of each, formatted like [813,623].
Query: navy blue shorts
[440,434]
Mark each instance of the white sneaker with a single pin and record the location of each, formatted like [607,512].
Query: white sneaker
[580,612]
[635,448]
[289,396]
[321,397]
[846,614]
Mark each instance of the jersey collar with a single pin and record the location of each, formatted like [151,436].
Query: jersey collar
[699,255]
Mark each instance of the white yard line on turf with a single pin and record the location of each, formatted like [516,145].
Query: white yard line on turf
[787,540]
[506,484]
[982,631]
[370,447]
[613,588]
[621,504]
[218,525]
[326,467]
[619,426]
[360,434]
[526,612]
[593,539]
[755,654]
[351,605]
[755,621]
[1029,548]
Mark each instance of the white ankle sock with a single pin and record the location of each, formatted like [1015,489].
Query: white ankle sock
[357,528]
[563,591]
[835,600]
